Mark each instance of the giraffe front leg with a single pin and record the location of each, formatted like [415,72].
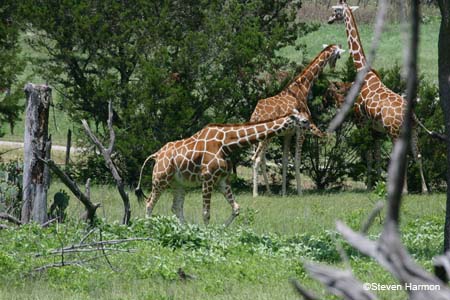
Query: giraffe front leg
[207,187]
[225,188]
[298,159]
[256,163]
[286,148]
[178,202]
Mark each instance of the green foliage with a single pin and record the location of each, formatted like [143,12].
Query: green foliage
[11,64]
[330,159]
[11,187]
[170,67]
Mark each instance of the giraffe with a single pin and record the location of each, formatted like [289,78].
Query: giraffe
[204,159]
[293,96]
[376,102]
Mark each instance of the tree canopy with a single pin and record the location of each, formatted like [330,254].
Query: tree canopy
[170,67]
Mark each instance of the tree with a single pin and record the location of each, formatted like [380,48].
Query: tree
[170,67]
[11,65]
[444,94]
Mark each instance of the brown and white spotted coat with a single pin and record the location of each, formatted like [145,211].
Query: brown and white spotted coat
[294,96]
[376,102]
[203,159]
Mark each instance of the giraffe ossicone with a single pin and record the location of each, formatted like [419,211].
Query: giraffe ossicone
[203,159]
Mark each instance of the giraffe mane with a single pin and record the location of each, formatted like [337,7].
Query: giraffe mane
[356,29]
[310,64]
[246,123]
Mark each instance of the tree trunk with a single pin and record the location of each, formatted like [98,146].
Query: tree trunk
[444,94]
[69,144]
[36,147]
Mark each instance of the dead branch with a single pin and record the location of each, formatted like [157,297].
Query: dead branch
[78,263]
[373,214]
[9,218]
[91,208]
[107,153]
[72,248]
[339,282]
[307,295]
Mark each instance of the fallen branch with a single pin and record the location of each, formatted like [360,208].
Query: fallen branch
[10,218]
[91,208]
[72,248]
[78,263]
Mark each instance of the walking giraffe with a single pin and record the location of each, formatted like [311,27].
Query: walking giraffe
[204,159]
[293,96]
[376,102]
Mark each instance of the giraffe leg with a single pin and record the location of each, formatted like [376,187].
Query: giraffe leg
[259,160]
[207,187]
[178,201]
[418,158]
[286,148]
[377,156]
[157,188]
[298,158]
[405,180]
[225,188]
[369,164]
[256,163]
[264,171]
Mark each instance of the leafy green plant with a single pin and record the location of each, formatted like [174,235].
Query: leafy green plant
[11,187]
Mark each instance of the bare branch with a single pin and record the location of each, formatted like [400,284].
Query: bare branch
[339,282]
[373,214]
[107,153]
[302,291]
[10,218]
[90,207]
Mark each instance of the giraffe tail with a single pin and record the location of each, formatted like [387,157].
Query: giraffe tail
[434,134]
[138,191]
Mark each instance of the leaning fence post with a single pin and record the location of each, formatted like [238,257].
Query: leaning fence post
[36,147]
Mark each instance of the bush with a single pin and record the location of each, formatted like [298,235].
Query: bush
[11,187]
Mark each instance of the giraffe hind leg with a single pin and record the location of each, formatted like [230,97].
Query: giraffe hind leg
[178,202]
[225,188]
[418,158]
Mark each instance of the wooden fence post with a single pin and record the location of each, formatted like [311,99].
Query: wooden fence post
[36,147]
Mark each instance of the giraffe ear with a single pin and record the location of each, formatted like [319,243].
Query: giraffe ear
[353,8]
[341,51]
[324,46]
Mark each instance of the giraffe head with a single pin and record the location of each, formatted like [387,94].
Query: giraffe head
[299,119]
[335,54]
[338,11]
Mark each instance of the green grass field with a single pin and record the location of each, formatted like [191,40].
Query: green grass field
[252,259]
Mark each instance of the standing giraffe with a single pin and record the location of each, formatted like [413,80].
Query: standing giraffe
[376,102]
[204,159]
[293,96]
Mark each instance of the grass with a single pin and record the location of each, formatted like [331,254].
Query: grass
[254,258]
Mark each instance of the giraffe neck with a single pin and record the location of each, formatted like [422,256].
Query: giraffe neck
[303,82]
[354,42]
[239,136]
